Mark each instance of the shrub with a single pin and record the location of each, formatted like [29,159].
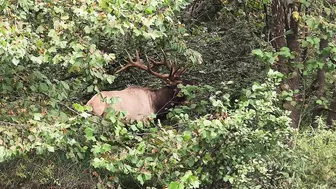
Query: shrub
[238,147]
[314,164]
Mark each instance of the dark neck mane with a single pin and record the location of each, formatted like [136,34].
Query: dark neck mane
[164,99]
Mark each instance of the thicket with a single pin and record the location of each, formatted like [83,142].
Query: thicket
[236,132]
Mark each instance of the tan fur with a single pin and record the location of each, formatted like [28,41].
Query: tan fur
[133,100]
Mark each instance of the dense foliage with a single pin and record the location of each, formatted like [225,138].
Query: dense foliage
[259,73]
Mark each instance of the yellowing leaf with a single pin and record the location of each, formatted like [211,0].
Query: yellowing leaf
[296,15]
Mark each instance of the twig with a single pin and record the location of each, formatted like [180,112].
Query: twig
[7,124]
[275,38]
[71,109]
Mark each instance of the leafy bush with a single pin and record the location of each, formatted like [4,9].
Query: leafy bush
[237,147]
[50,170]
[314,164]
[53,51]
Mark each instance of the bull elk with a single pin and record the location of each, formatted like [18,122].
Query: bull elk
[140,103]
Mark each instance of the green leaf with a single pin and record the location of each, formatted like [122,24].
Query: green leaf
[78,107]
[37,116]
[103,138]
[256,87]
[90,89]
[258,53]
[248,93]
[110,78]
[51,149]
[43,87]
[89,134]
[285,52]
[110,167]
[149,10]
[147,176]
[65,85]
[141,147]
[288,98]
[175,185]
[187,135]
[39,75]
[38,59]
[134,128]
[15,61]
[140,179]
[19,85]
[207,123]
[106,147]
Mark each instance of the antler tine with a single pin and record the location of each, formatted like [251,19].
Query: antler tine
[132,63]
[182,70]
[137,56]
[155,63]
[165,59]
[170,65]
[174,70]
[175,74]
[152,63]
[161,63]
[172,76]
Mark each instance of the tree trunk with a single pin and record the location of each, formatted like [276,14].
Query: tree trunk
[282,10]
[294,80]
[332,116]
[202,11]
[319,86]
[278,33]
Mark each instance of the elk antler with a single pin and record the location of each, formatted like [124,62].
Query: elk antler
[173,76]
[174,73]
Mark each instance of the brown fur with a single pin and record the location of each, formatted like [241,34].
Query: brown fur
[139,103]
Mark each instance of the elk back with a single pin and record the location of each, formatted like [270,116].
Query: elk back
[135,101]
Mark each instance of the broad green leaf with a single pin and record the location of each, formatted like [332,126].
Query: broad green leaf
[140,179]
[15,61]
[175,185]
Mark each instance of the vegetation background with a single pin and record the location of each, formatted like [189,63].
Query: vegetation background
[261,114]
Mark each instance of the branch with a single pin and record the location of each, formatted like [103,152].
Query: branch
[72,76]
[275,38]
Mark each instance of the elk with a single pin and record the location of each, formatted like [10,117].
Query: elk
[140,103]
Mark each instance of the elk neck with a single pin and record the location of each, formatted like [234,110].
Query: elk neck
[165,98]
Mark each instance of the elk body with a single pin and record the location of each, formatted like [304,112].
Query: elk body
[140,103]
